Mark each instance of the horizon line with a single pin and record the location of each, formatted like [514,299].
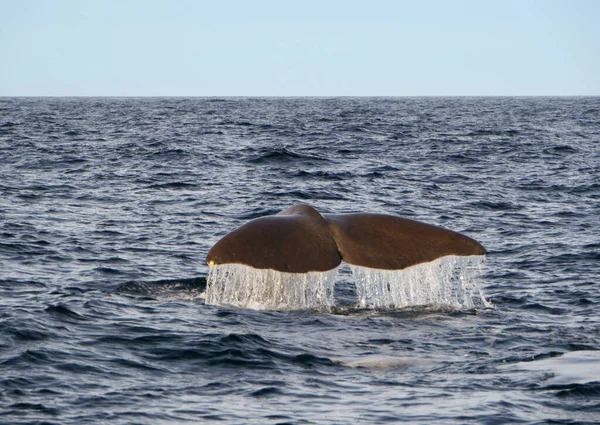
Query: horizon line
[292,96]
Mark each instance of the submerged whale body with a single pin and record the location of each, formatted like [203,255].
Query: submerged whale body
[301,240]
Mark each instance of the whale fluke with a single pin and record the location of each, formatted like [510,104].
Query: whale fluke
[296,240]
[387,242]
[300,240]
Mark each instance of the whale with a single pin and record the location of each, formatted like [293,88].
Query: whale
[299,240]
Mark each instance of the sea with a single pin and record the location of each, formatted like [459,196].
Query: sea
[108,207]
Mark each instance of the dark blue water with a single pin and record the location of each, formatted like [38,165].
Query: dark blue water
[108,207]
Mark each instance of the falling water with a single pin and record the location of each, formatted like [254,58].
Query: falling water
[452,281]
[244,286]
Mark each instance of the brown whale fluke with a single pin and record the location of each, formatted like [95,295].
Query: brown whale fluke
[300,239]
[296,240]
[382,241]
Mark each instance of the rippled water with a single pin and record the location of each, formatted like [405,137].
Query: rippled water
[108,207]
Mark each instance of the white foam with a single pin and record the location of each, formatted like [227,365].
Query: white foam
[244,286]
[575,367]
[452,281]
[385,362]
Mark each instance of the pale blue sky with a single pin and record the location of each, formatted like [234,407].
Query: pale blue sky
[299,48]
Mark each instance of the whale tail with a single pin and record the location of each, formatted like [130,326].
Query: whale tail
[290,260]
[301,240]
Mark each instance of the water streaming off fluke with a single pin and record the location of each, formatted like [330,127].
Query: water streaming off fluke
[450,281]
[244,286]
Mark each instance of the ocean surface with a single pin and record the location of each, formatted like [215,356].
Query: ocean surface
[108,207]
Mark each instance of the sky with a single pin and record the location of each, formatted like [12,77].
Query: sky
[299,48]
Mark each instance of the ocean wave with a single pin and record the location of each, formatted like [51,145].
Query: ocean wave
[109,206]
